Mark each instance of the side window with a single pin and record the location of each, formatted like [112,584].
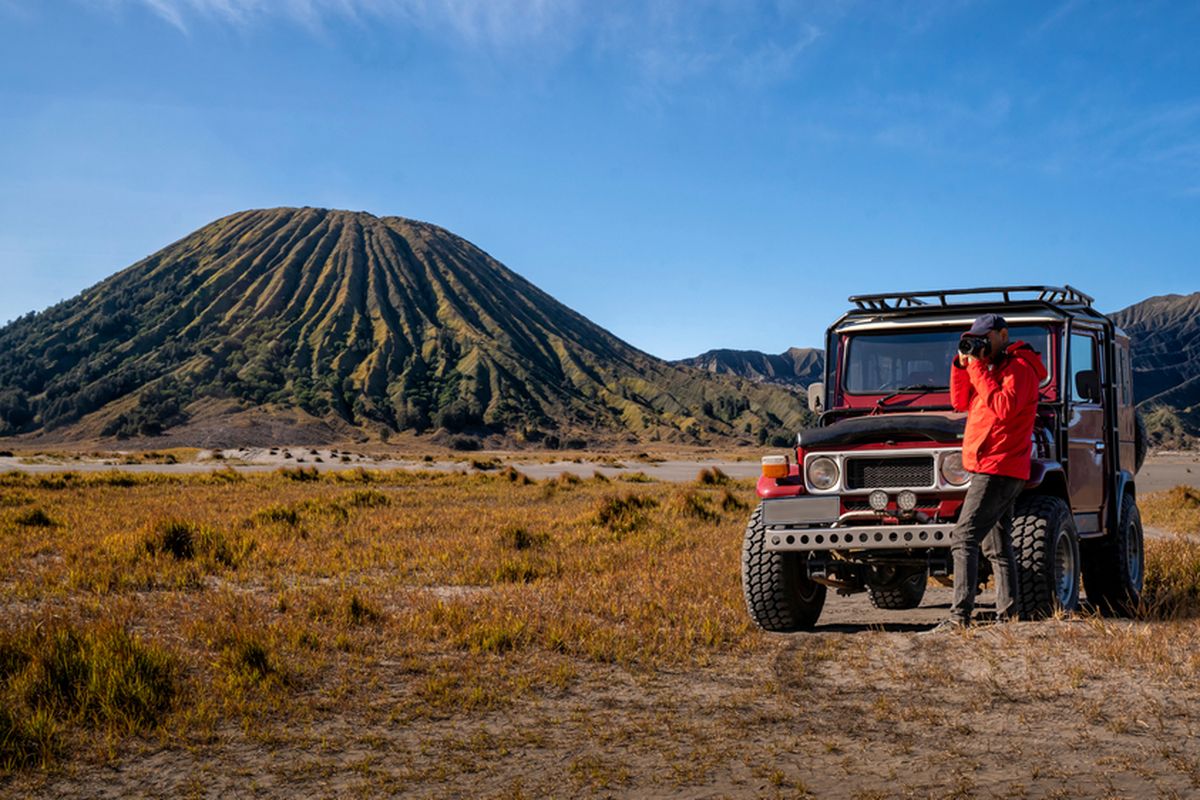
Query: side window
[1083,362]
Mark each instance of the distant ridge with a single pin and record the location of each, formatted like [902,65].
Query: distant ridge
[318,324]
[796,367]
[1165,336]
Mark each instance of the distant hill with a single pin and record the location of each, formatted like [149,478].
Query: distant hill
[1165,336]
[310,324]
[796,368]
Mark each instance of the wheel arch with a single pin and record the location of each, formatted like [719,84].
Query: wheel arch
[1126,493]
[1047,478]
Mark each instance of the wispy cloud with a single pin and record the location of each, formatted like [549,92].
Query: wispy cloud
[500,23]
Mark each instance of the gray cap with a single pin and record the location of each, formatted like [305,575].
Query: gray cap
[986,324]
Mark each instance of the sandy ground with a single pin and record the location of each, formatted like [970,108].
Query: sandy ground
[853,710]
[862,708]
[1160,472]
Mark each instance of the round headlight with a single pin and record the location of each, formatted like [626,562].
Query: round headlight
[906,500]
[878,500]
[822,472]
[952,470]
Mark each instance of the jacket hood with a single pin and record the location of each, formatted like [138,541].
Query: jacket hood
[1021,350]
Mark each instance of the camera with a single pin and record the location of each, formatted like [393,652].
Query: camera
[975,346]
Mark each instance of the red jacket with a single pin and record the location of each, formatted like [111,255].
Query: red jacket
[1001,403]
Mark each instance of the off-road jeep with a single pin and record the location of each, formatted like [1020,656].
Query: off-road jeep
[872,494]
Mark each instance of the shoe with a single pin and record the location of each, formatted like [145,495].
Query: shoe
[948,625]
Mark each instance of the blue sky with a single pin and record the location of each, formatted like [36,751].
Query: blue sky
[689,174]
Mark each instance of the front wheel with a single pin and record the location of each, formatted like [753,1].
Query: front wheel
[1046,549]
[780,596]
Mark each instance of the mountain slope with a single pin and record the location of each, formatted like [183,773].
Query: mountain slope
[1165,336]
[797,367]
[359,321]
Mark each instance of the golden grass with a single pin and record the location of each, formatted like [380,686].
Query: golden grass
[193,604]
[486,585]
[1176,510]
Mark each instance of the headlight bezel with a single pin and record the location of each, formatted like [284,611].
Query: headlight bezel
[833,476]
[951,470]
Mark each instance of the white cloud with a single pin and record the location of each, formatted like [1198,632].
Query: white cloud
[490,23]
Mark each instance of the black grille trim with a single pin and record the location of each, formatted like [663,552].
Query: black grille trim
[889,473]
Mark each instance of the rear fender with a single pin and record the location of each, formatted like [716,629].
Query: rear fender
[1126,493]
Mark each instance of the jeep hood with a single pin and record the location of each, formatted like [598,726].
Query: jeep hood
[886,427]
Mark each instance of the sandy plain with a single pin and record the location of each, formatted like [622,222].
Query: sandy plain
[864,707]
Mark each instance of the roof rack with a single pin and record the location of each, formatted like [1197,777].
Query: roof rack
[1051,295]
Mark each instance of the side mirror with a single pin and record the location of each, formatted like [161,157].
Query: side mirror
[1087,386]
[816,397]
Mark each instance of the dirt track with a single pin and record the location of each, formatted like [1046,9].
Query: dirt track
[1160,471]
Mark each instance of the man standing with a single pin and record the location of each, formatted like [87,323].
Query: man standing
[997,385]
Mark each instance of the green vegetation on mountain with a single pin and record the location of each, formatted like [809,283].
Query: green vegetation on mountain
[377,323]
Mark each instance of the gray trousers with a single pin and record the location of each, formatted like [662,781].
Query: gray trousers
[985,520]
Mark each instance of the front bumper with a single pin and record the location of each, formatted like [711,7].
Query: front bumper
[859,537]
[811,523]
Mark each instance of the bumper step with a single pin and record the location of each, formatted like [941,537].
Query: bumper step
[866,537]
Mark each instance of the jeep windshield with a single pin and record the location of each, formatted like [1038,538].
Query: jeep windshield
[916,361]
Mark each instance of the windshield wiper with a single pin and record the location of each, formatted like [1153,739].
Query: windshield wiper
[919,388]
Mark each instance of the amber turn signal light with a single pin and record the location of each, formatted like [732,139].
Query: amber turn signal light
[775,466]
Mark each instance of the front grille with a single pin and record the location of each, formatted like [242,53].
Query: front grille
[889,473]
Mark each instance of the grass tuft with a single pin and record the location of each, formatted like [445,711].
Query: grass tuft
[299,473]
[516,476]
[359,612]
[98,677]
[1176,510]
[623,513]
[36,518]
[691,505]
[367,498]
[520,538]
[1172,582]
[712,476]
[730,503]
[175,538]
[15,499]
[185,541]
[276,514]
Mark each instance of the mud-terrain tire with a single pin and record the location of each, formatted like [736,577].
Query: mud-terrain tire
[779,595]
[1114,566]
[1046,549]
[896,588]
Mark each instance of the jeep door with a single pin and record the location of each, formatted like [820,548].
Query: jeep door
[1085,428]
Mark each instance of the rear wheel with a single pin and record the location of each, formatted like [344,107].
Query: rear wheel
[896,588]
[1046,547]
[780,596]
[1113,566]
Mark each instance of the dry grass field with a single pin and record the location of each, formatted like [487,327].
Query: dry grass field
[486,635]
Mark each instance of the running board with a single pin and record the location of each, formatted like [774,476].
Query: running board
[866,537]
